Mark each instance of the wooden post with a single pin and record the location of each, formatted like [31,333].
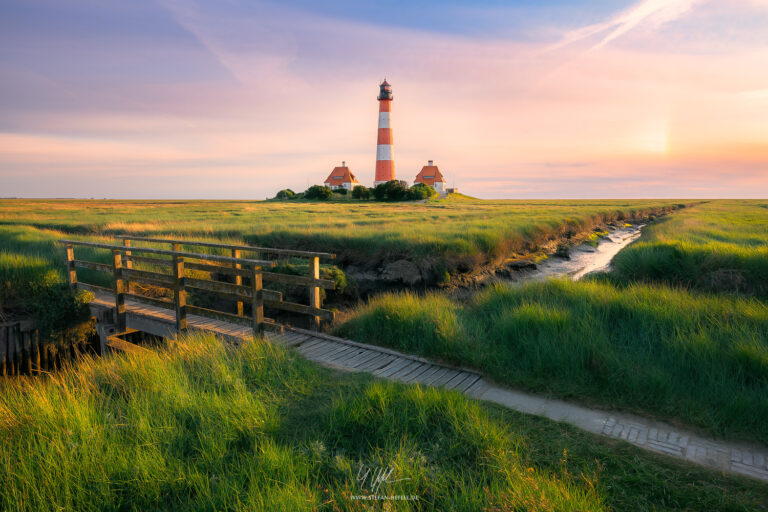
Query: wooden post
[71,272]
[128,263]
[179,293]
[257,302]
[4,348]
[314,291]
[117,265]
[36,351]
[238,279]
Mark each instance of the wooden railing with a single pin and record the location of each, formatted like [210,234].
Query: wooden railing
[126,276]
[312,281]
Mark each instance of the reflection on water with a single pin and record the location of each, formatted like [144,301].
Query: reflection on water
[584,259]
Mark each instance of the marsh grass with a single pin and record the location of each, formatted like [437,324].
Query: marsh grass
[719,246]
[686,357]
[200,426]
[454,235]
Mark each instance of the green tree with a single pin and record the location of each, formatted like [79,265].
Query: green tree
[421,191]
[318,192]
[286,194]
[361,192]
[391,191]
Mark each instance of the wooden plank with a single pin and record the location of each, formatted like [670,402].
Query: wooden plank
[310,344]
[461,377]
[179,290]
[194,255]
[421,377]
[343,359]
[239,291]
[257,301]
[416,372]
[151,261]
[340,353]
[320,349]
[153,278]
[362,358]
[376,363]
[71,272]
[467,383]
[125,346]
[101,267]
[166,304]
[218,315]
[95,289]
[405,370]
[299,280]
[394,366]
[477,389]
[299,308]
[117,265]
[285,252]
[440,381]
[219,269]
[438,374]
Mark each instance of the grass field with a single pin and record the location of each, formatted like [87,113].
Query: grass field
[715,246]
[645,338]
[449,236]
[198,426]
[655,350]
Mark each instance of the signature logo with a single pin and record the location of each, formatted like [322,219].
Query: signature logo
[374,477]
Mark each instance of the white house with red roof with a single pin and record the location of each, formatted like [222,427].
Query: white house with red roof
[430,175]
[341,177]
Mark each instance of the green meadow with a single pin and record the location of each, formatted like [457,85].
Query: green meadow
[197,425]
[443,237]
[719,246]
[652,343]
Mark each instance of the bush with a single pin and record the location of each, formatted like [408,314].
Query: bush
[318,192]
[342,191]
[361,192]
[391,191]
[421,191]
[286,194]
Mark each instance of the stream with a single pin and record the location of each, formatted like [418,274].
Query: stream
[584,259]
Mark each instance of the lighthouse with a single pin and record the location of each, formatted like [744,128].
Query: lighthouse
[385,164]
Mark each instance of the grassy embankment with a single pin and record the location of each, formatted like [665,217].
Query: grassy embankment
[719,246]
[198,426]
[692,357]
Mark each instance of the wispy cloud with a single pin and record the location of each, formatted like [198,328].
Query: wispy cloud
[647,12]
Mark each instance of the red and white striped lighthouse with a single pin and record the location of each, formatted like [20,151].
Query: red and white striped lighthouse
[385,163]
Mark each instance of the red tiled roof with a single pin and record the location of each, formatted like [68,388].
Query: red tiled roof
[429,175]
[341,175]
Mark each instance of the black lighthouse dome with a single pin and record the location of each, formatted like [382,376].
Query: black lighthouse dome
[385,91]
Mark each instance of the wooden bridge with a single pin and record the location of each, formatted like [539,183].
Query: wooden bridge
[123,312]
[177,273]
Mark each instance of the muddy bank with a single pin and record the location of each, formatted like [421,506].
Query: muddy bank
[579,261]
[572,254]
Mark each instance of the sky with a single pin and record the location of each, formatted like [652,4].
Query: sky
[511,99]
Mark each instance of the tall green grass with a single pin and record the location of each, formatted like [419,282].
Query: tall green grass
[719,246]
[446,235]
[695,358]
[199,426]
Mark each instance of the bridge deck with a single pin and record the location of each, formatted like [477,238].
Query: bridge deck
[321,348]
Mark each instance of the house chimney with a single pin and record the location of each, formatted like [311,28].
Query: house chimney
[343,163]
[430,163]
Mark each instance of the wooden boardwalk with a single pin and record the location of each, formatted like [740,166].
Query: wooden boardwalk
[324,349]
[740,458]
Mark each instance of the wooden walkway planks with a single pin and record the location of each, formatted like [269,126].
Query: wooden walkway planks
[327,350]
